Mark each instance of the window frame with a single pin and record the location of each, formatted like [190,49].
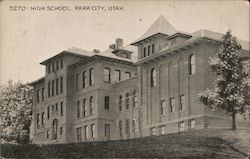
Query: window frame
[54,129]
[91,77]
[172,105]
[182,102]
[117,76]
[91,103]
[84,79]
[106,102]
[192,64]
[153,77]
[163,107]
[120,102]
[135,99]
[78,114]
[107,74]
[61,108]
[127,100]
[79,134]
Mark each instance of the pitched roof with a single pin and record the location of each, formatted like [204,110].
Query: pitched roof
[161,25]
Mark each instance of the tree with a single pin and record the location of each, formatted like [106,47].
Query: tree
[231,91]
[15,112]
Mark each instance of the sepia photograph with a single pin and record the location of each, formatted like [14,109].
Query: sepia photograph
[124,79]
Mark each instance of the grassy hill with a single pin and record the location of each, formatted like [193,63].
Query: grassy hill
[206,143]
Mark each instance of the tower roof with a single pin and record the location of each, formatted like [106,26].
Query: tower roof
[160,26]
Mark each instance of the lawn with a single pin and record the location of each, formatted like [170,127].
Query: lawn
[206,143]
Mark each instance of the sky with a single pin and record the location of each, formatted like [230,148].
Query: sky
[28,37]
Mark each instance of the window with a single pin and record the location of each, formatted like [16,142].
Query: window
[153,48]
[92,128]
[172,105]
[79,134]
[107,75]
[52,87]
[61,63]
[77,80]
[106,102]
[133,125]
[61,130]
[53,108]
[127,100]
[163,107]
[48,112]
[49,89]
[91,77]
[127,75]
[144,52]
[107,131]
[86,132]
[182,102]
[38,121]
[84,107]
[37,96]
[61,84]
[127,126]
[192,123]
[120,128]
[43,91]
[78,108]
[57,65]
[48,134]
[125,55]
[162,130]
[56,107]
[117,75]
[135,100]
[120,103]
[84,80]
[54,132]
[57,86]
[91,105]
[61,108]
[181,126]
[153,77]
[152,131]
[149,50]
[192,65]
[43,121]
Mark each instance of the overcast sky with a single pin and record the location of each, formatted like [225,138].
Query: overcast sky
[29,37]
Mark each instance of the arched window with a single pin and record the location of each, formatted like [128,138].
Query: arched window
[153,77]
[127,100]
[38,120]
[120,102]
[192,65]
[106,102]
[54,130]
[91,105]
[135,100]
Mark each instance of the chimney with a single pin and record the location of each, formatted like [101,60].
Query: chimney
[112,46]
[119,43]
[96,51]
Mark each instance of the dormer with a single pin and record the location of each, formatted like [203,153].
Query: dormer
[122,53]
[153,40]
[176,39]
[119,50]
